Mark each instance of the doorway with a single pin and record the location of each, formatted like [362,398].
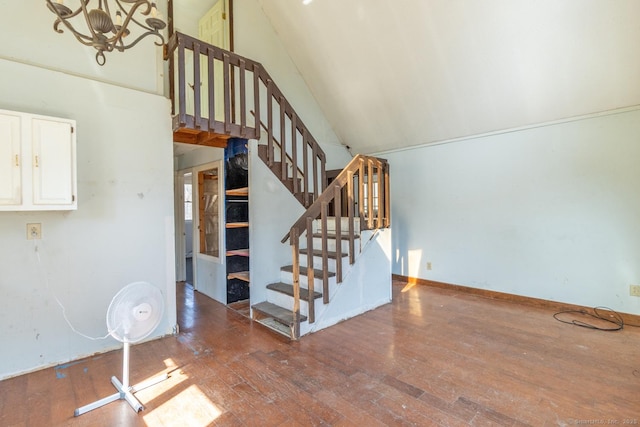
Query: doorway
[184,227]
[214,29]
[187,189]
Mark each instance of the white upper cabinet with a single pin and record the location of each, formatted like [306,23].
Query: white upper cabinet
[10,160]
[37,162]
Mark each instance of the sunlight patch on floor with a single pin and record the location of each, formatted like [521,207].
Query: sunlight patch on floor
[191,407]
[408,286]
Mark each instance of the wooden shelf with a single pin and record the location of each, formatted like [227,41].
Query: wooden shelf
[237,224]
[238,252]
[242,275]
[244,191]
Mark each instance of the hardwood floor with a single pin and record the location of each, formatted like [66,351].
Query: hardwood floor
[432,357]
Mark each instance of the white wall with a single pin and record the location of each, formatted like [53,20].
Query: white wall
[272,212]
[550,212]
[365,286]
[123,228]
[122,231]
[256,39]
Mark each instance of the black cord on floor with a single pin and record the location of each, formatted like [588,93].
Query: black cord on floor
[611,317]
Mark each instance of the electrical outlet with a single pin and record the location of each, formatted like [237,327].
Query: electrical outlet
[634,290]
[34,231]
[429,266]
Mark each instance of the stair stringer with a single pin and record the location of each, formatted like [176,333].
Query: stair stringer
[272,211]
[366,286]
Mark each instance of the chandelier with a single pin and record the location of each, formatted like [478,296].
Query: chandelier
[105,31]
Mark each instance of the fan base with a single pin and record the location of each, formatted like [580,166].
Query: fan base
[122,394]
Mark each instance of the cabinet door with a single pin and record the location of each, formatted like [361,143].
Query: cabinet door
[10,161]
[53,163]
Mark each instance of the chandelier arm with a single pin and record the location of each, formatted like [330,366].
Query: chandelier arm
[123,47]
[71,15]
[137,4]
[85,40]
[106,6]
[83,5]
[132,11]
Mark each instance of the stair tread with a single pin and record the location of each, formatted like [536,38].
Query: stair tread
[287,289]
[303,271]
[278,313]
[330,254]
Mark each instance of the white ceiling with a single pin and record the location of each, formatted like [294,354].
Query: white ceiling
[396,73]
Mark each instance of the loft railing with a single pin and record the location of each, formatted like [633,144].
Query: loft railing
[218,92]
[360,190]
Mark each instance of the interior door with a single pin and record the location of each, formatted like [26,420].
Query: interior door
[209,269]
[213,28]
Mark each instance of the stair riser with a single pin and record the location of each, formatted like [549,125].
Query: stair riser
[262,152]
[287,277]
[344,224]
[317,263]
[332,243]
[285,301]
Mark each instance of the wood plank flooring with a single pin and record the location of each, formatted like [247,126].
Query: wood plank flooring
[432,357]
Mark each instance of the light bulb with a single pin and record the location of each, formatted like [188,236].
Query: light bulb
[154,10]
[118,19]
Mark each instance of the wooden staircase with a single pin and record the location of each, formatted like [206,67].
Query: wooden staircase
[255,108]
[278,311]
[325,247]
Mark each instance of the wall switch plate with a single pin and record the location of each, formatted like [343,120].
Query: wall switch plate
[634,290]
[429,266]
[34,231]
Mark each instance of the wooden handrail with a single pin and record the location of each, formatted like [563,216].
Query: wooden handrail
[354,167]
[364,174]
[276,142]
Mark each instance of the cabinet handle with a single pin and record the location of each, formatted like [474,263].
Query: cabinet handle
[36,161]
[17,162]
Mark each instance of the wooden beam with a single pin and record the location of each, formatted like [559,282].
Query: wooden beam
[206,139]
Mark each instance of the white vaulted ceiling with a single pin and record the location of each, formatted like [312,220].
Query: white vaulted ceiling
[397,73]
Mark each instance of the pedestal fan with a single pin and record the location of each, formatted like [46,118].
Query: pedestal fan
[135,311]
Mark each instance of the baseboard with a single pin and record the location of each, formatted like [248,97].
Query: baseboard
[631,319]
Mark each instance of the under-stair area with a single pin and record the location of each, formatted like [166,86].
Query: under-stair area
[343,232]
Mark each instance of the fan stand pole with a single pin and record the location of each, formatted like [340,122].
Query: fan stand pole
[124,390]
